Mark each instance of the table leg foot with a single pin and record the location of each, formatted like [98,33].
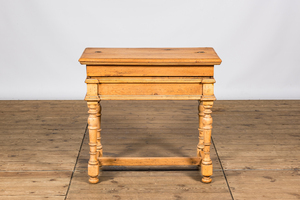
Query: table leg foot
[206,179]
[94,180]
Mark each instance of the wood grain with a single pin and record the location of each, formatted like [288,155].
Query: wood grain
[146,80]
[150,89]
[150,161]
[150,56]
[107,71]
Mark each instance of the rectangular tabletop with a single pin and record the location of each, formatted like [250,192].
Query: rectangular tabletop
[150,56]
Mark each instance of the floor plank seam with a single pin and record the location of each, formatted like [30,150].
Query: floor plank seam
[37,171]
[222,168]
[293,169]
[86,128]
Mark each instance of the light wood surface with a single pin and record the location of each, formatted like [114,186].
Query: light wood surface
[149,89]
[150,56]
[176,71]
[149,161]
[149,74]
[145,80]
[94,135]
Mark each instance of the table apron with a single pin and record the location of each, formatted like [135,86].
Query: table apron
[150,89]
[150,70]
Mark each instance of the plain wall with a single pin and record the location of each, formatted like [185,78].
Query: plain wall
[41,42]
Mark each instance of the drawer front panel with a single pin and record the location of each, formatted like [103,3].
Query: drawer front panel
[150,70]
[150,89]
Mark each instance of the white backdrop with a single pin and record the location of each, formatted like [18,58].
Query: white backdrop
[258,41]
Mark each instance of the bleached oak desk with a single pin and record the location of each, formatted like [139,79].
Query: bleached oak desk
[150,74]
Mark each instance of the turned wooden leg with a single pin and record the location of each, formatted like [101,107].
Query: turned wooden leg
[94,130]
[99,145]
[206,164]
[200,145]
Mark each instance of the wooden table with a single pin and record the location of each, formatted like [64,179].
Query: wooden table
[150,74]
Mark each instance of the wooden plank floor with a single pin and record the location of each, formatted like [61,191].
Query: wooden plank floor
[40,141]
[150,129]
[258,143]
[44,150]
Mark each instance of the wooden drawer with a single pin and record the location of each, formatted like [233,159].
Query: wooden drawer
[150,89]
[150,70]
